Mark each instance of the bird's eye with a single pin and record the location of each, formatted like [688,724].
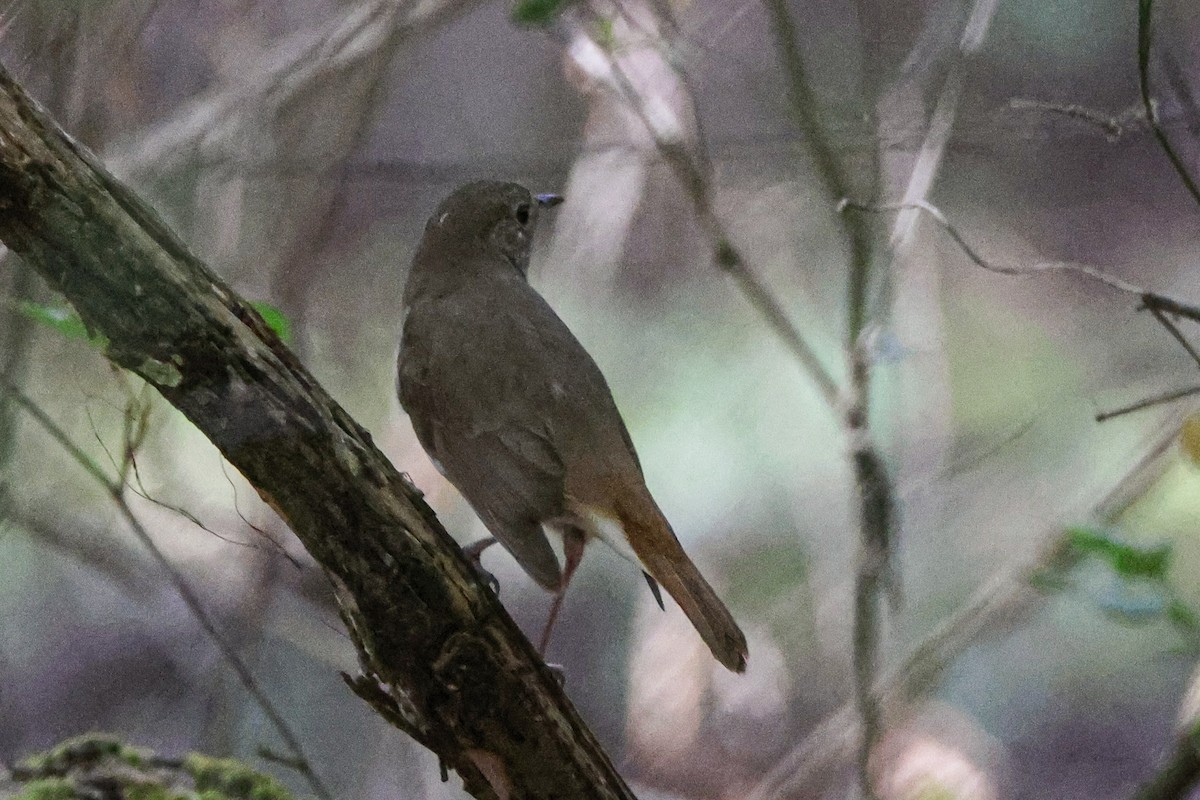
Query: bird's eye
[522,213]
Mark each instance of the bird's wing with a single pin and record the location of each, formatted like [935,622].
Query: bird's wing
[514,481]
[466,403]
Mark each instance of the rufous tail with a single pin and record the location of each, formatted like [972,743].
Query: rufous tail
[661,554]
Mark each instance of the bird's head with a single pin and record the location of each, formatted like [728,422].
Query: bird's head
[497,218]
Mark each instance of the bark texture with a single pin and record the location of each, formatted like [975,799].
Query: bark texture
[441,658]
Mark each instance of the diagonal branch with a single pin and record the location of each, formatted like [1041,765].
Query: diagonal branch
[691,170]
[205,130]
[1145,38]
[433,639]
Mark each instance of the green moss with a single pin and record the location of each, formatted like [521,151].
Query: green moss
[152,791]
[47,789]
[225,777]
[75,767]
[81,751]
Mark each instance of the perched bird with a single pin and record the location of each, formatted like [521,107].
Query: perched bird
[515,413]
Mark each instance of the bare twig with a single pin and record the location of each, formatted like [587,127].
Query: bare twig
[1160,305]
[1145,38]
[116,492]
[1114,126]
[874,562]
[204,130]
[1173,329]
[1149,402]
[19,337]
[829,166]
[1012,594]
[692,174]
[1090,272]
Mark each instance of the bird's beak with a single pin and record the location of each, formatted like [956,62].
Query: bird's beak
[548,200]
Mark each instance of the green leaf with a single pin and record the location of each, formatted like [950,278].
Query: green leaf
[275,320]
[63,319]
[1128,559]
[1183,617]
[537,12]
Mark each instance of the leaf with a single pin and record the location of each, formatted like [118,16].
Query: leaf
[537,12]
[1128,559]
[1189,438]
[63,319]
[275,319]
[1183,617]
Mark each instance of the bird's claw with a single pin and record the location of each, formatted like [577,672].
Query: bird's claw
[474,554]
[559,673]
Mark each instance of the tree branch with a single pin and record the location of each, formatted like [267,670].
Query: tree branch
[433,638]
[1145,37]
[1179,772]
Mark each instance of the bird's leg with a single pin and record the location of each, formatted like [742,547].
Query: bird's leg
[573,542]
[474,554]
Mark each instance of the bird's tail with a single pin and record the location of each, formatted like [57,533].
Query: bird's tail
[659,550]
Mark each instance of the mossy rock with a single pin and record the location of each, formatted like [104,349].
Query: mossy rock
[101,765]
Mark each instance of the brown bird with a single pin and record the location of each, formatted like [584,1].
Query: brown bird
[515,413]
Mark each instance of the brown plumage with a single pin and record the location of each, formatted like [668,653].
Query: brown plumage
[516,414]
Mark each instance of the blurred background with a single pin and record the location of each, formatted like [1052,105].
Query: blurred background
[1050,564]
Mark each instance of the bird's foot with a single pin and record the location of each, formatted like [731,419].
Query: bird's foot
[474,554]
[559,672]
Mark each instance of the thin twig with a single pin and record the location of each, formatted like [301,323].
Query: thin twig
[1158,304]
[1145,37]
[1084,270]
[1149,402]
[1012,594]
[829,167]
[693,177]
[1114,126]
[116,492]
[1173,329]
[874,491]
[874,562]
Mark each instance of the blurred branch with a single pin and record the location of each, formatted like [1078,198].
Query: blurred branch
[874,569]
[1013,594]
[1160,305]
[1145,37]
[692,172]
[207,126]
[937,135]
[1114,126]
[1148,402]
[1002,600]
[829,166]
[434,640]
[115,488]
[1179,772]
[84,542]
[18,339]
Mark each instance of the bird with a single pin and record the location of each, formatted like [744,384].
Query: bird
[513,411]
